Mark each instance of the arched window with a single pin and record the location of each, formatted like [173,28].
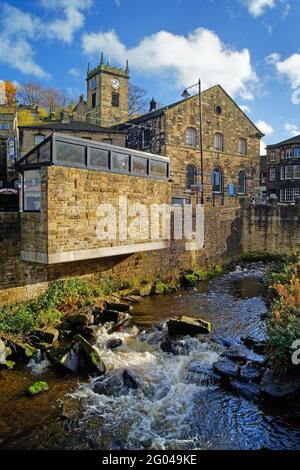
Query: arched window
[242,183]
[191,137]
[190,176]
[217,180]
[218,142]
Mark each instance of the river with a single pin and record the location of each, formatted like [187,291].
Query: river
[172,408]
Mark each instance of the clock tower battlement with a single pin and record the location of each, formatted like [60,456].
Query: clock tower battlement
[107,94]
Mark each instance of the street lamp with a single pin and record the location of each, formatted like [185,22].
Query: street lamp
[185,95]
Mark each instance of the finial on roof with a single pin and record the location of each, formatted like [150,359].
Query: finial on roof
[88,68]
[102,59]
[127,66]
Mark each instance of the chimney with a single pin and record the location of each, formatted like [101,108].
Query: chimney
[153,105]
[81,98]
[64,117]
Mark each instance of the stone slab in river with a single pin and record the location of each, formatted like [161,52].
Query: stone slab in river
[226,368]
[188,326]
[283,387]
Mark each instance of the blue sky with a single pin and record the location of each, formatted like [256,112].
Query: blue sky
[248,46]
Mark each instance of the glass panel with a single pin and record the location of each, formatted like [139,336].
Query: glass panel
[190,176]
[158,168]
[139,165]
[70,153]
[99,158]
[297,171]
[120,161]
[32,158]
[217,181]
[38,138]
[45,153]
[296,152]
[242,183]
[191,137]
[32,190]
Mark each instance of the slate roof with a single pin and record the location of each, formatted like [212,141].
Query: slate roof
[79,126]
[291,141]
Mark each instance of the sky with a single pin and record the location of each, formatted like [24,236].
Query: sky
[247,46]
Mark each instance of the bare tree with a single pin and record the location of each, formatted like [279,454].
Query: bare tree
[138,101]
[31,94]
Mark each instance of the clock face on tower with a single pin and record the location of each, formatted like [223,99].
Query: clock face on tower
[115,83]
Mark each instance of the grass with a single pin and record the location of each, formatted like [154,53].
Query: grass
[283,285]
[198,274]
[24,318]
[256,256]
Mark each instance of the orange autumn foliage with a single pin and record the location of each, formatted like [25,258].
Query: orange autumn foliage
[10,93]
[290,293]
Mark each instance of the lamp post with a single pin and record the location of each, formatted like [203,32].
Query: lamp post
[185,95]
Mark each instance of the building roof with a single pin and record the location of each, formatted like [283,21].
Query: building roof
[160,111]
[291,141]
[79,126]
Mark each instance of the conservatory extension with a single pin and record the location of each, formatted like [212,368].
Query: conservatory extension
[72,188]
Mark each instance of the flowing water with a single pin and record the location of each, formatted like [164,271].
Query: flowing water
[173,407]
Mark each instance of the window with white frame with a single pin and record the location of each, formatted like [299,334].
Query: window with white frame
[282,154]
[289,195]
[288,153]
[296,152]
[272,157]
[218,142]
[272,174]
[297,171]
[242,146]
[191,137]
[289,172]
[282,173]
[296,193]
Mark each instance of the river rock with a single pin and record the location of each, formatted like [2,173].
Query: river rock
[48,336]
[259,346]
[21,350]
[5,352]
[118,383]
[187,326]
[79,320]
[242,354]
[65,359]
[114,343]
[250,373]
[118,306]
[121,325]
[223,341]
[226,368]
[107,316]
[91,355]
[280,387]
[201,373]
[177,347]
[247,390]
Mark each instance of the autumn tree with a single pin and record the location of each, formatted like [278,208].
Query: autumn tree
[10,93]
[138,101]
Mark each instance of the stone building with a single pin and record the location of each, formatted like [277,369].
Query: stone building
[107,94]
[8,147]
[80,110]
[283,170]
[32,135]
[231,145]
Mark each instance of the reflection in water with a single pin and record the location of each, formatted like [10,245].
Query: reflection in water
[174,408]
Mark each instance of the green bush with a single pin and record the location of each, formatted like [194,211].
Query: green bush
[281,336]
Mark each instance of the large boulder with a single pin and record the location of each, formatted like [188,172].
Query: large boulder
[118,383]
[65,359]
[118,306]
[226,368]
[21,350]
[91,356]
[280,387]
[247,390]
[187,326]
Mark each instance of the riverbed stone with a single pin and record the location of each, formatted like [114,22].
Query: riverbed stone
[91,355]
[201,373]
[250,373]
[174,346]
[114,343]
[242,354]
[226,368]
[187,326]
[117,383]
[247,390]
[124,322]
[280,387]
[118,306]
[48,336]
[259,346]
[5,352]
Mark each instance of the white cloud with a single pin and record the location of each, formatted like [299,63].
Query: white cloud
[258,7]
[289,68]
[74,72]
[263,145]
[184,58]
[245,108]
[291,129]
[264,127]
[18,29]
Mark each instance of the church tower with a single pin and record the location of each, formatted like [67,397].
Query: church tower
[107,94]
